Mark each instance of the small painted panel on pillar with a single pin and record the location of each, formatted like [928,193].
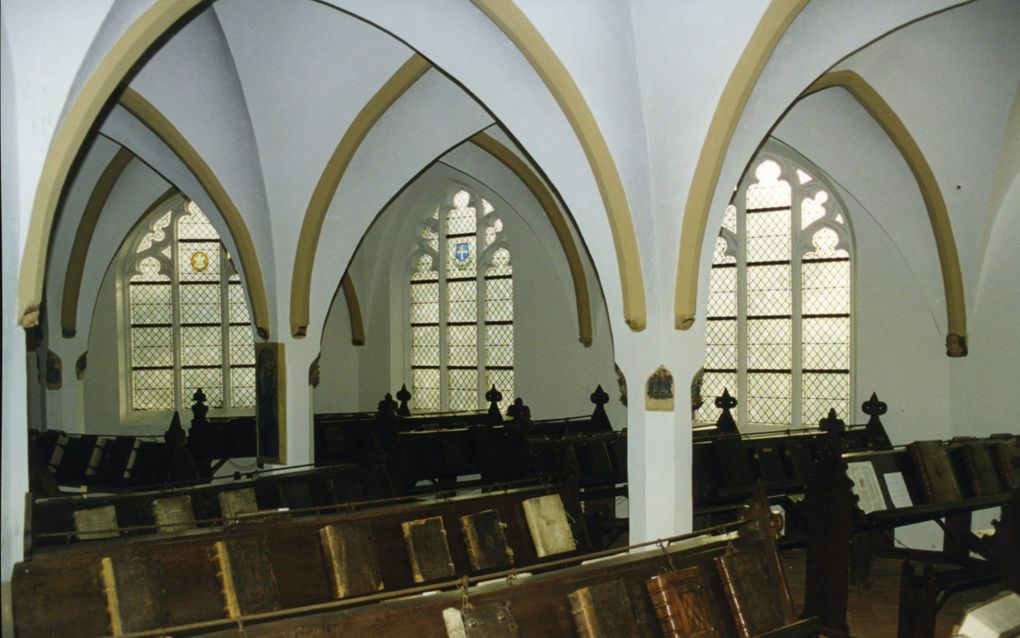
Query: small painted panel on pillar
[54,371]
[270,402]
[659,391]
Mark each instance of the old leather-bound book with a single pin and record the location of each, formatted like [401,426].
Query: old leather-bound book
[173,514]
[548,525]
[135,593]
[979,469]
[758,600]
[96,523]
[801,459]
[483,621]
[486,542]
[935,471]
[687,605]
[246,574]
[428,550]
[234,502]
[351,554]
[770,464]
[603,611]
[1006,455]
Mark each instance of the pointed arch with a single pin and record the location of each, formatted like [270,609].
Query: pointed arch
[512,21]
[779,15]
[70,136]
[83,239]
[548,201]
[158,123]
[938,213]
[353,309]
[308,241]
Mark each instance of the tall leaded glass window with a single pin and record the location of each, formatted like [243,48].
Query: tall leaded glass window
[188,321]
[778,323]
[461,307]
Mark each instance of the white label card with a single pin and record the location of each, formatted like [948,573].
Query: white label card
[866,487]
[898,493]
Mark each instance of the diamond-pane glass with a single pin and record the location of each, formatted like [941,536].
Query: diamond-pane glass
[721,345]
[499,345]
[461,302]
[460,257]
[825,287]
[822,392]
[195,225]
[768,290]
[462,345]
[238,303]
[200,303]
[504,382]
[150,303]
[729,221]
[826,343]
[199,261]
[242,387]
[152,389]
[425,389]
[770,191]
[768,236]
[722,292]
[461,218]
[463,389]
[157,234]
[769,344]
[209,379]
[499,299]
[491,232]
[499,263]
[825,241]
[201,346]
[423,269]
[769,398]
[722,254]
[242,346]
[149,269]
[424,303]
[152,346]
[425,345]
[712,386]
[812,208]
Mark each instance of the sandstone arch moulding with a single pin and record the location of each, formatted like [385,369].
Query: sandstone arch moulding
[512,21]
[83,238]
[559,223]
[938,213]
[308,241]
[353,309]
[770,30]
[150,116]
[71,133]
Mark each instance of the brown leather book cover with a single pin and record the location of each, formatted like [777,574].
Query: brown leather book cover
[246,573]
[486,542]
[96,523]
[234,502]
[135,593]
[548,525]
[173,514]
[801,459]
[603,611]
[687,605]
[482,621]
[351,554]
[428,550]
[1006,455]
[979,469]
[935,471]
[754,595]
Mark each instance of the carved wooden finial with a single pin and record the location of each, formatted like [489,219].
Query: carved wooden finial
[198,406]
[725,424]
[494,396]
[832,423]
[387,405]
[175,435]
[518,411]
[404,395]
[873,407]
[599,397]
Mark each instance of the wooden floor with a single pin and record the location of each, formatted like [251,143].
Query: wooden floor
[873,613]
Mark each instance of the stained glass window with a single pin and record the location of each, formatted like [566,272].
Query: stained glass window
[778,331]
[461,308]
[189,324]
